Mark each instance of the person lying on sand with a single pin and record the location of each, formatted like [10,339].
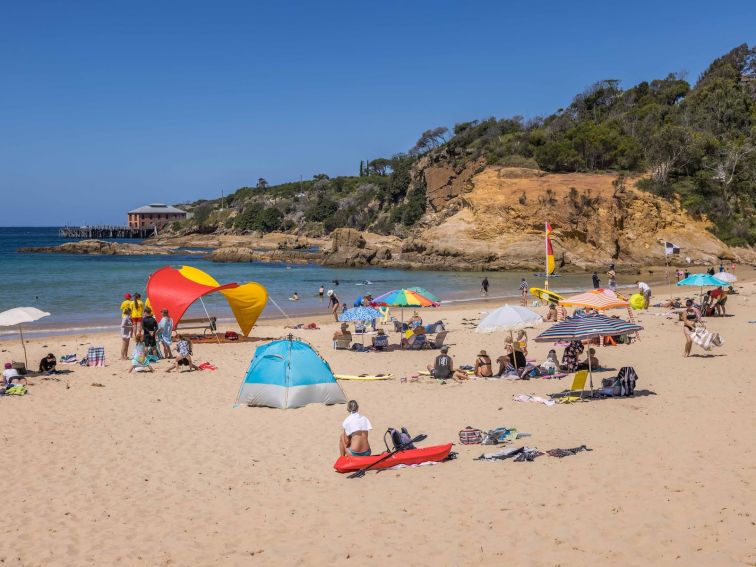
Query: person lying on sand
[483,367]
[443,367]
[184,356]
[11,376]
[670,304]
[354,434]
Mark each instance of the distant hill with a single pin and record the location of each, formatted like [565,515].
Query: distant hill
[694,146]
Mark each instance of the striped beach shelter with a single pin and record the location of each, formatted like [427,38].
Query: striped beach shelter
[288,373]
[599,299]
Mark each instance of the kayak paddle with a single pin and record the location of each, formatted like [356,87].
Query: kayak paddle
[360,473]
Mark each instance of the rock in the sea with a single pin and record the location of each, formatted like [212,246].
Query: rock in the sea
[101,247]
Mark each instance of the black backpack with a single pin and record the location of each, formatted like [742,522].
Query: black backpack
[399,438]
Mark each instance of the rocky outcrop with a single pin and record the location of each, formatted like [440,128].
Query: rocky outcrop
[349,248]
[245,254]
[445,177]
[495,221]
[102,247]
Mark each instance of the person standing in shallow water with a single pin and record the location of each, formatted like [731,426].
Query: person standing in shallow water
[523,292]
[596,280]
[484,287]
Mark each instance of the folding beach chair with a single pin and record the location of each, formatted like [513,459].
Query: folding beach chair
[342,343]
[438,342]
[578,385]
[96,356]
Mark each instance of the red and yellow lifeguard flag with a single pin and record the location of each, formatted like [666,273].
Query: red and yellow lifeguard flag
[549,251]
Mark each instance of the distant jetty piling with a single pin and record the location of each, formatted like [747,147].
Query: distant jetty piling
[105,231]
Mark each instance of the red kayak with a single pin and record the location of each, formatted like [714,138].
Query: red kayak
[409,457]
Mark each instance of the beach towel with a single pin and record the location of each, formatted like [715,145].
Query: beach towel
[207,366]
[16,390]
[533,399]
[560,453]
[627,378]
[96,356]
[520,454]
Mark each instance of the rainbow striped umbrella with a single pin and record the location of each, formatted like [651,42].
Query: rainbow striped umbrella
[403,298]
[426,293]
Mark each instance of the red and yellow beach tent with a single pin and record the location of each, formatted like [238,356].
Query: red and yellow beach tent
[176,289]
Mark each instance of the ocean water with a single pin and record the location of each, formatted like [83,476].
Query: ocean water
[84,292]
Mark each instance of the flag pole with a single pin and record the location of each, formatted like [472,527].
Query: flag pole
[546,243]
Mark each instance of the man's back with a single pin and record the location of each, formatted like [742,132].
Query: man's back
[150,324]
[442,368]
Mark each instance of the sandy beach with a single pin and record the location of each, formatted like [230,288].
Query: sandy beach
[104,467]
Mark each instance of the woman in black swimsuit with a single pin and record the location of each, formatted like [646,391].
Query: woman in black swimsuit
[689,318]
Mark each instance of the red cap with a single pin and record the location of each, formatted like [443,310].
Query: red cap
[127,296]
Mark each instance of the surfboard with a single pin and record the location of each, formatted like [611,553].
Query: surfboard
[545,295]
[363,377]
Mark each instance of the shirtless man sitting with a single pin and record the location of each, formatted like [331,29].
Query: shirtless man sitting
[354,435]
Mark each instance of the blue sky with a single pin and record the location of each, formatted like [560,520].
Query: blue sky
[105,106]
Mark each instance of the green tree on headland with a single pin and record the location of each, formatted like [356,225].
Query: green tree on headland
[695,143]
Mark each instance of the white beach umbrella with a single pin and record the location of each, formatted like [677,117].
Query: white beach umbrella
[509,318]
[19,316]
[726,277]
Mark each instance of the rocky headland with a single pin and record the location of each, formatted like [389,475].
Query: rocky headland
[479,219]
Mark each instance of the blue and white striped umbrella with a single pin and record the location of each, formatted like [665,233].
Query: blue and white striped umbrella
[587,327]
[360,314]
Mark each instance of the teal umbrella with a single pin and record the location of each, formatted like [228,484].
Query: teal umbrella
[701,280]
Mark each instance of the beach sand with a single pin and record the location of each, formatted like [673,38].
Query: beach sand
[160,469]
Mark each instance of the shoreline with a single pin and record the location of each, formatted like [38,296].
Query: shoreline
[275,318]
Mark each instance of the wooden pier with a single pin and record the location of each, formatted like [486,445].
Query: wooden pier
[105,231]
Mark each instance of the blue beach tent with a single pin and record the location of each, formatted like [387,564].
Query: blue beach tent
[288,373]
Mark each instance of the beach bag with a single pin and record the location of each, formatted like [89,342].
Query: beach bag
[703,338]
[470,436]
[399,438]
[232,336]
[20,367]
